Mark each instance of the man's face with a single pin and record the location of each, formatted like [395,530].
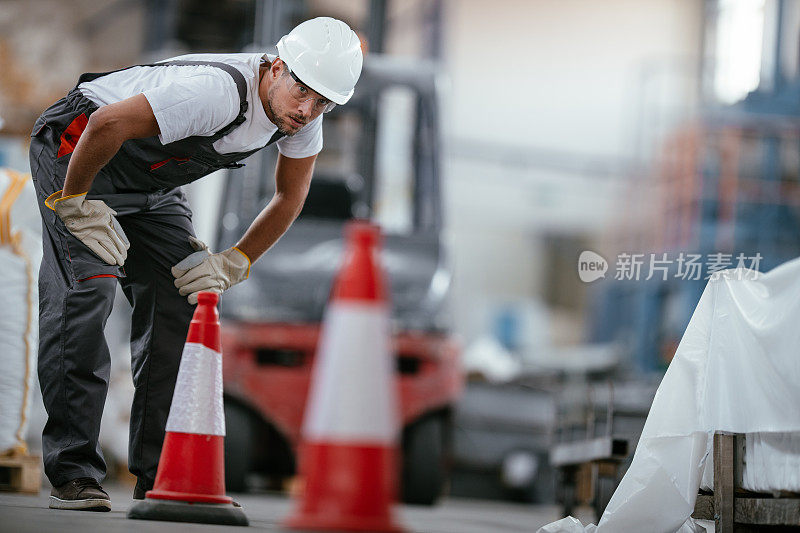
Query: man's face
[285,110]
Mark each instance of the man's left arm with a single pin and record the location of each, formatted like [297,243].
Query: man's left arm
[202,271]
[292,179]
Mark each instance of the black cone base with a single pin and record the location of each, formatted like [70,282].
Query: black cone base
[175,511]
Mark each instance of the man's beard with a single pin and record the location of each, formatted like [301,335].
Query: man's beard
[281,123]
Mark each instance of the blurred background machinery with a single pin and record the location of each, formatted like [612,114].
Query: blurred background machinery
[722,187]
[724,183]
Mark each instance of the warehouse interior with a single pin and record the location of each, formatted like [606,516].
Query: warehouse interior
[558,184]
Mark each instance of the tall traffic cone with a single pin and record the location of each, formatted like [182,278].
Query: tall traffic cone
[349,454]
[190,481]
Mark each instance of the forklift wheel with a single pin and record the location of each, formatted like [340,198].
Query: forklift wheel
[238,447]
[423,461]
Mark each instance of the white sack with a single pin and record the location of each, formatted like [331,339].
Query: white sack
[736,369]
[18,325]
[25,219]
[16,349]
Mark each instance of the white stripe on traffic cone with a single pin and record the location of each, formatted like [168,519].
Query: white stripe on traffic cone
[197,401]
[355,370]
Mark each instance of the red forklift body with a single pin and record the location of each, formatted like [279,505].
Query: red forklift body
[268,368]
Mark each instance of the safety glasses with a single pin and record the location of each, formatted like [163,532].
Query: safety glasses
[302,93]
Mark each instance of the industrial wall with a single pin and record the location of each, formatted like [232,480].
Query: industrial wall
[541,136]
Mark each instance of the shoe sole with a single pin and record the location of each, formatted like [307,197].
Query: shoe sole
[89,504]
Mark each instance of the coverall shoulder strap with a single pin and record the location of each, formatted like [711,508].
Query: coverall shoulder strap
[238,78]
[241,86]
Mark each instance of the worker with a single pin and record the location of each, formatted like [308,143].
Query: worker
[108,161]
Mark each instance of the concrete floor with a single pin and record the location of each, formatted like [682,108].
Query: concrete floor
[25,513]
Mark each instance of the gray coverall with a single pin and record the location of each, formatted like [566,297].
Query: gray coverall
[76,288]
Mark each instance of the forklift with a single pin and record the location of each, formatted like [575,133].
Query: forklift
[380,162]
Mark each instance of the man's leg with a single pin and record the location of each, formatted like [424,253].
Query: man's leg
[161,320]
[76,293]
[74,366]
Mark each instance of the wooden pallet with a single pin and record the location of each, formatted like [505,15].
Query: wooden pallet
[736,510]
[21,473]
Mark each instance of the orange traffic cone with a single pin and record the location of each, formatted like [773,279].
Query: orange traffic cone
[350,431]
[190,481]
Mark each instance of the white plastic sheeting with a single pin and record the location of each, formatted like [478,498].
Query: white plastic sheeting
[736,369]
[772,462]
[20,249]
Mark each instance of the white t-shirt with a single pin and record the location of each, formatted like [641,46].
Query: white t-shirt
[201,100]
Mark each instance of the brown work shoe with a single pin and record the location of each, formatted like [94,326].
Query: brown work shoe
[81,494]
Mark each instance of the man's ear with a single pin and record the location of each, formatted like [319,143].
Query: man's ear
[276,68]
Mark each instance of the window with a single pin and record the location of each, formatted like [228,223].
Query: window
[394,192]
[739,35]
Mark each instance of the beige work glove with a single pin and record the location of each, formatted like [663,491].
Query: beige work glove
[204,271]
[94,224]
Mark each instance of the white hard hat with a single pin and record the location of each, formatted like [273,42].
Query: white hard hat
[325,54]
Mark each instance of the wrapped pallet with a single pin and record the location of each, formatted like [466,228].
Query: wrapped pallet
[19,248]
[735,371]
[771,463]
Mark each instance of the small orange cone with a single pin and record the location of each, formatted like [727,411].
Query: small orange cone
[190,481]
[349,453]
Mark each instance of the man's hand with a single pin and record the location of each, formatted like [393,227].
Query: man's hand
[93,223]
[204,271]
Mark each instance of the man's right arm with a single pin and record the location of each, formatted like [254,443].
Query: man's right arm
[107,129]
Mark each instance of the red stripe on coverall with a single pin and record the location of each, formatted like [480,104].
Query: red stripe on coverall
[164,162]
[98,276]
